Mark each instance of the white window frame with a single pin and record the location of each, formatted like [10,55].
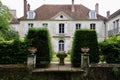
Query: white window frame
[61,45]
[92,14]
[93,26]
[30,15]
[61,28]
[45,25]
[30,25]
[78,26]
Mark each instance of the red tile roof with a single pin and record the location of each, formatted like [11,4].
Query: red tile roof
[14,21]
[114,14]
[46,12]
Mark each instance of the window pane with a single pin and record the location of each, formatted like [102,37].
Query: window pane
[61,45]
[61,28]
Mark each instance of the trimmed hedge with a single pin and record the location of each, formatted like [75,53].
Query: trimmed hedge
[40,38]
[83,38]
[13,52]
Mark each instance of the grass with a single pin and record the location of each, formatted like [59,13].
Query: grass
[56,59]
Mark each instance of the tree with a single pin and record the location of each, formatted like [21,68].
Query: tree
[5,18]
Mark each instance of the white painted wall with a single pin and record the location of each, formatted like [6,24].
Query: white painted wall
[110,25]
[69,31]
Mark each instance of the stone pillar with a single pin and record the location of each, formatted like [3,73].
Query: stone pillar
[31,61]
[84,61]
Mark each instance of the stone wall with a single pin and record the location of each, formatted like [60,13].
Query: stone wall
[13,72]
[18,72]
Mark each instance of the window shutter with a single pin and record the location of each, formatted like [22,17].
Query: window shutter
[65,45]
[97,28]
[66,28]
[26,28]
[57,28]
[56,43]
[73,27]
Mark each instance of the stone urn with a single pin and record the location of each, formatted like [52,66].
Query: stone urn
[61,55]
[32,50]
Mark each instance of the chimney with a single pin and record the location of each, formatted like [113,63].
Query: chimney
[25,8]
[13,12]
[97,8]
[28,7]
[73,8]
[108,14]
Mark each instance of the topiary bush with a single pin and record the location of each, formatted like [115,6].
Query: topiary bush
[84,38]
[40,38]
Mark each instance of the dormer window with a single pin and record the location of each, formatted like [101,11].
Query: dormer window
[92,15]
[30,15]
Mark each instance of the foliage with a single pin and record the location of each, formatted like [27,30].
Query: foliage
[5,18]
[110,48]
[13,52]
[116,72]
[84,38]
[40,38]
[61,54]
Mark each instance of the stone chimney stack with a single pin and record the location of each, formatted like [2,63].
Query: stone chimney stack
[108,14]
[97,8]
[25,8]
[73,7]
[13,12]
[28,7]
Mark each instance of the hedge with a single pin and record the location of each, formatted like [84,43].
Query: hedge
[40,38]
[84,38]
[13,52]
[111,50]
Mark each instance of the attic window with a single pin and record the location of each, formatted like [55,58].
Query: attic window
[30,15]
[61,16]
[92,15]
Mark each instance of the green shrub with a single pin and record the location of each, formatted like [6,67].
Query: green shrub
[40,38]
[111,50]
[84,38]
[12,52]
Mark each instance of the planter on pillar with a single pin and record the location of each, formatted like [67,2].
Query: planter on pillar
[85,57]
[31,61]
[84,60]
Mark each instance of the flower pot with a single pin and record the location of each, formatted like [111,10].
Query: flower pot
[61,58]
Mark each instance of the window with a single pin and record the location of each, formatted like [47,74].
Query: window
[92,15]
[30,25]
[61,28]
[92,26]
[78,26]
[61,45]
[61,16]
[117,25]
[45,25]
[30,15]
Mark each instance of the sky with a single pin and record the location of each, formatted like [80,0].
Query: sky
[104,5]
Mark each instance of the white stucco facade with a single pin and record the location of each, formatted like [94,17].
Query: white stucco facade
[113,26]
[69,29]
[62,21]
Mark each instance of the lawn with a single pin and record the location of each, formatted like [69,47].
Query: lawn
[56,59]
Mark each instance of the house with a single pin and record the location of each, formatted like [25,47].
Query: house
[113,23]
[14,21]
[62,21]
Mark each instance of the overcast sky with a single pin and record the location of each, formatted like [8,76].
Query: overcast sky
[104,5]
